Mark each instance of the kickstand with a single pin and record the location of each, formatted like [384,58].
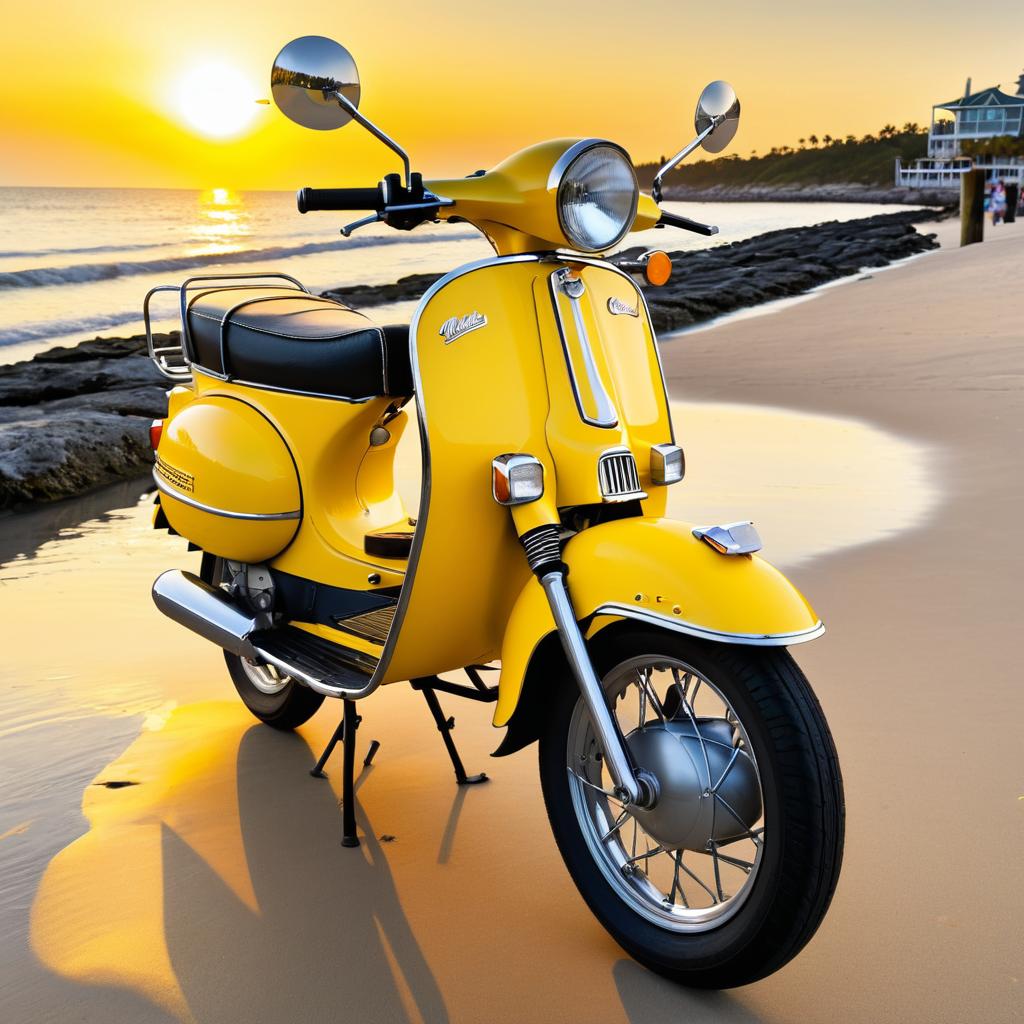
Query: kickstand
[444,727]
[346,733]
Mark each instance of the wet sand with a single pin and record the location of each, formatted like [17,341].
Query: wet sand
[214,888]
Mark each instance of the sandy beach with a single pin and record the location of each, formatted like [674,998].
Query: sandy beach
[169,860]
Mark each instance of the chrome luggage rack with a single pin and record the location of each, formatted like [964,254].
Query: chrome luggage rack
[175,361]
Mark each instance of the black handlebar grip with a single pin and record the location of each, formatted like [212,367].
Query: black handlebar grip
[687,225]
[311,199]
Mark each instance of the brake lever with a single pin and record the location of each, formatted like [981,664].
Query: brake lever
[398,208]
[361,223]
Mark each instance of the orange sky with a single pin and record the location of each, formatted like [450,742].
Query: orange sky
[87,96]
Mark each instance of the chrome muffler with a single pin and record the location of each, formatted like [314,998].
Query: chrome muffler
[205,610]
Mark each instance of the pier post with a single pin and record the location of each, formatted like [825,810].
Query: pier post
[1012,199]
[972,206]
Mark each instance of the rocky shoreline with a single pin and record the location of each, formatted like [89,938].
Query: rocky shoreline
[840,192]
[76,418]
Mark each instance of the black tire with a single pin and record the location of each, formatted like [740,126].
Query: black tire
[803,809]
[287,709]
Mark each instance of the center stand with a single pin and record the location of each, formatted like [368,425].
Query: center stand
[349,724]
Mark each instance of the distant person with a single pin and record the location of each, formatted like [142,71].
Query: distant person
[998,202]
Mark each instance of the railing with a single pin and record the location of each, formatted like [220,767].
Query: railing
[946,174]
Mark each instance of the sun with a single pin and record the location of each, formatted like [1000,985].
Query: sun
[216,100]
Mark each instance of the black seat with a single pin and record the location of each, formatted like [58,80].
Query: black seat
[288,339]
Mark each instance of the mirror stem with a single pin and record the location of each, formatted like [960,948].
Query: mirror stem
[345,103]
[682,155]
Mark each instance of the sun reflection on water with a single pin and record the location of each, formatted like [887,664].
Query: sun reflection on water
[223,223]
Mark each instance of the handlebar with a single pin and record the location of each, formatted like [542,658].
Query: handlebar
[310,199]
[674,221]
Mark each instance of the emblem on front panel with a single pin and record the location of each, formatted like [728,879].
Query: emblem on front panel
[456,326]
[619,308]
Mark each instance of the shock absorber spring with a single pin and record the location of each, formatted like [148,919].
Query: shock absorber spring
[543,549]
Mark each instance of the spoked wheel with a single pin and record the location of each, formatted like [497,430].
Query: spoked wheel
[730,873]
[272,696]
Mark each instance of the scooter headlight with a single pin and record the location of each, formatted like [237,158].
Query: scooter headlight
[597,195]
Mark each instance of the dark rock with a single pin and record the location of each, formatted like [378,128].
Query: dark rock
[73,419]
[838,192]
[708,283]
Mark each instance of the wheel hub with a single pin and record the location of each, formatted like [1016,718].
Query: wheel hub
[707,788]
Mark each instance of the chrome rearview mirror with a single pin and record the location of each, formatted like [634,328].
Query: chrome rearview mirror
[716,121]
[315,83]
[717,116]
[308,76]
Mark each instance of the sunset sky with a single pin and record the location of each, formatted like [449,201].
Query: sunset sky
[116,94]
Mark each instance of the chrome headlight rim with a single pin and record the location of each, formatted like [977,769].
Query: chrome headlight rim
[559,174]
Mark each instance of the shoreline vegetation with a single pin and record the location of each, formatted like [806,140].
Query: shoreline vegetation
[825,163]
[73,419]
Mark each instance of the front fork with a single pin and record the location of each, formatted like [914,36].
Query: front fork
[634,787]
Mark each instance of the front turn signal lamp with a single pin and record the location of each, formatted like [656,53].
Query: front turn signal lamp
[657,268]
[667,464]
[517,479]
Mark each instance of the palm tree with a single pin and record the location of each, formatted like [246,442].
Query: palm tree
[812,139]
[828,140]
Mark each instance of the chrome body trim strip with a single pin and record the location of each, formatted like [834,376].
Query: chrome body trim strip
[594,261]
[164,488]
[421,518]
[605,414]
[312,682]
[692,629]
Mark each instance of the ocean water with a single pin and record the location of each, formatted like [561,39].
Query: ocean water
[76,263]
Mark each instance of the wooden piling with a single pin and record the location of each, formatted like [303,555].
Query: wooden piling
[1012,198]
[972,206]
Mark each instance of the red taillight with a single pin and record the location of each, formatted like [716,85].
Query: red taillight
[156,428]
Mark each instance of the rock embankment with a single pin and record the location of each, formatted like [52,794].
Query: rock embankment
[839,192]
[73,419]
[709,283]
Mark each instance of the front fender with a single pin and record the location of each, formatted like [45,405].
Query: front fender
[656,571]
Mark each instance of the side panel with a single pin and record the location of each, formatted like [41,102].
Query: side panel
[480,394]
[227,480]
[329,440]
[657,571]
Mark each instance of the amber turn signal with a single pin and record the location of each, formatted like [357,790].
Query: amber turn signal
[658,268]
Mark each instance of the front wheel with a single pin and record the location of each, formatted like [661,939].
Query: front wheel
[729,875]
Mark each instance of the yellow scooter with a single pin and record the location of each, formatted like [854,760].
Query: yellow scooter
[689,774]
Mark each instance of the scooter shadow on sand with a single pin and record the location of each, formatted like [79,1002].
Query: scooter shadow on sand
[648,999]
[330,934]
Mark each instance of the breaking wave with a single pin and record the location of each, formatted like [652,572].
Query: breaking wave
[37,277]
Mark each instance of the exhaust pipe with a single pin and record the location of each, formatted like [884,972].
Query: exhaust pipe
[205,610]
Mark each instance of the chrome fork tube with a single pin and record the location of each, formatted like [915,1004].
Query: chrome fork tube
[620,767]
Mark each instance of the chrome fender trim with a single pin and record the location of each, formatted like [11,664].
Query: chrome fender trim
[651,618]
